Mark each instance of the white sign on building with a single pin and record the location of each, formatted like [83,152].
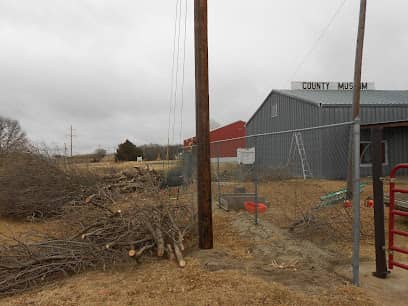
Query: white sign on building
[246,156]
[330,85]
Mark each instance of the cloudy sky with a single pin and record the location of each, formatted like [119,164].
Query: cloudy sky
[105,66]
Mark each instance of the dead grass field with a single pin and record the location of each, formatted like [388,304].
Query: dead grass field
[210,278]
[249,265]
[109,165]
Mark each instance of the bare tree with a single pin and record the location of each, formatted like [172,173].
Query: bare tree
[98,155]
[12,138]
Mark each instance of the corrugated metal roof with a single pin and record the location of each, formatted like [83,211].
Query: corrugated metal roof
[336,97]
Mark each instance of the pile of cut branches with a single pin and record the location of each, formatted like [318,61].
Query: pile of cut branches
[34,185]
[115,237]
[134,179]
[37,186]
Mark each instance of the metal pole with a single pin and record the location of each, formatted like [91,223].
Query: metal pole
[376,155]
[356,203]
[256,185]
[205,230]
[356,143]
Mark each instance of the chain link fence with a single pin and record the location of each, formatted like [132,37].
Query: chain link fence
[293,179]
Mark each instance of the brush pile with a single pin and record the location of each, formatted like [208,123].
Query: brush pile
[35,186]
[131,180]
[112,237]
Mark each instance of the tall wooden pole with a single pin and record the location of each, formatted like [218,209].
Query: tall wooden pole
[356,143]
[205,231]
[71,138]
[376,156]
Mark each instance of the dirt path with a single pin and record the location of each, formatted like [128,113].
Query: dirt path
[276,255]
[271,254]
[390,291]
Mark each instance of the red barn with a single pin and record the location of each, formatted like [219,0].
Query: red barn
[226,150]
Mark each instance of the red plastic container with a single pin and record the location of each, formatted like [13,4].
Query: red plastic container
[251,207]
[347,204]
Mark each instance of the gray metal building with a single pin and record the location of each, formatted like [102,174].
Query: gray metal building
[327,148]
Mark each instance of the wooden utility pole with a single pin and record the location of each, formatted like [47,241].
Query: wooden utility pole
[205,230]
[376,156]
[70,134]
[356,143]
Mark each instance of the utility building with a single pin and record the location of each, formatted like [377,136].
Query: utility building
[297,142]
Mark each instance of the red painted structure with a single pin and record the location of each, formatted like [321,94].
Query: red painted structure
[394,212]
[224,148]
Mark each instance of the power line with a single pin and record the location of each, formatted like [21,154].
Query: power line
[172,78]
[177,72]
[317,41]
[183,72]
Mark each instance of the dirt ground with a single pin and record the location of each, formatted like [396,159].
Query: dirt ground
[265,264]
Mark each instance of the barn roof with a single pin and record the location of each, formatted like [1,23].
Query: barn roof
[345,97]
[342,97]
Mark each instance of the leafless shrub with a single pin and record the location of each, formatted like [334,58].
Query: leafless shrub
[98,155]
[12,138]
[34,185]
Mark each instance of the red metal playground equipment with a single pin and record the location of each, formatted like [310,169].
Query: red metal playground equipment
[395,212]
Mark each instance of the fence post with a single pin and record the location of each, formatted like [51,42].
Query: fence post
[256,184]
[356,202]
[380,257]
[218,175]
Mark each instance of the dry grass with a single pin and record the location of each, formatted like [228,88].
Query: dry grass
[161,283]
[118,166]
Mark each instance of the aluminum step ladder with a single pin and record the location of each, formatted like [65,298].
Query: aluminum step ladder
[297,140]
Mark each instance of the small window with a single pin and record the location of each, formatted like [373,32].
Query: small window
[274,110]
[365,153]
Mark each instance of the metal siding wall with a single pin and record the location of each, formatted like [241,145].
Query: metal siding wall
[295,114]
[397,139]
[288,117]
[292,114]
[374,114]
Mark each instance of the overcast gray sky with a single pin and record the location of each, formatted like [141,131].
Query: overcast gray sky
[104,66]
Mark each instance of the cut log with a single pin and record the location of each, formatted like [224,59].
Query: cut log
[90,198]
[140,252]
[179,256]
[160,243]
[169,251]
[132,253]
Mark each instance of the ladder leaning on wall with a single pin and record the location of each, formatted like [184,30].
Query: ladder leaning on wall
[298,145]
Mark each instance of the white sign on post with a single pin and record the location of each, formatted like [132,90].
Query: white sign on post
[246,156]
[330,86]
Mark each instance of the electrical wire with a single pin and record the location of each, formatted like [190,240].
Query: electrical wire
[176,19]
[317,41]
[183,73]
[177,73]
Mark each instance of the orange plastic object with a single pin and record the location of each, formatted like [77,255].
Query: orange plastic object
[347,203]
[370,203]
[251,207]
